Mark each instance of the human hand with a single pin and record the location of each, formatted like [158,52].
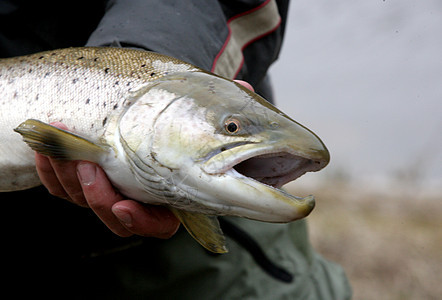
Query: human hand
[245,84]
[86,184]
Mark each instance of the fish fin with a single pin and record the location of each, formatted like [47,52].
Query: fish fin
[58,143]
[205,229]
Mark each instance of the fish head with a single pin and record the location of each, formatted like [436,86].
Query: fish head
[224,149]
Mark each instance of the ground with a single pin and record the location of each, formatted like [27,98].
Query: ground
[389,242]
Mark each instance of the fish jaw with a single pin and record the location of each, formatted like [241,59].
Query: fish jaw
[249,178]
[268,204]
[234,194]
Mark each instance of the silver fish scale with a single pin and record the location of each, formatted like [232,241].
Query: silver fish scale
[87,82]
[81,87]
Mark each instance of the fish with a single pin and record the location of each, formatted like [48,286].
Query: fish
[164,131]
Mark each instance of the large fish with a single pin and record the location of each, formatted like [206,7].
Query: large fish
[164,131]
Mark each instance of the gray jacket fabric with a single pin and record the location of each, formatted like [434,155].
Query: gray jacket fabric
[57,248]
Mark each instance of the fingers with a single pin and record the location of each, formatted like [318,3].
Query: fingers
[60,177]
[245,84]
[146,220]
[48,177]
[100,196]
[86,184]
[66,172]
[123,217]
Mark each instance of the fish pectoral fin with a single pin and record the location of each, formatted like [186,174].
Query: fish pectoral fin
[205,229]
[58,143]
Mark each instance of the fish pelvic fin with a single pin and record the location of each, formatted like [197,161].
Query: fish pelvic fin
[58,143]
[204,229]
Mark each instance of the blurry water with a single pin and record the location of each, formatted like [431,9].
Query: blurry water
[366,76]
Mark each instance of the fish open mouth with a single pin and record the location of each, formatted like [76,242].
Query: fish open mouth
[252,175]
[267,165]
[276,169]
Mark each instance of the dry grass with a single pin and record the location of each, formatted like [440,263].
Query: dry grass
[389,243]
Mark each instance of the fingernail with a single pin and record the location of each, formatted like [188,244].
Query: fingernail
[86,173]
[124,216]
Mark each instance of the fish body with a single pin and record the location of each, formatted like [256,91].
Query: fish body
[81,87]
[164,131]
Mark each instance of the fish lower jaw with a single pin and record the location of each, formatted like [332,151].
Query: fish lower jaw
[276,205]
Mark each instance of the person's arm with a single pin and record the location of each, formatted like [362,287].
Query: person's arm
[192,31]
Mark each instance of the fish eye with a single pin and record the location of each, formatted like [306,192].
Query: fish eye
[232,126]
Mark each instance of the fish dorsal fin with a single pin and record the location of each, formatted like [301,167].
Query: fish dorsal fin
[52,141]
[205,229]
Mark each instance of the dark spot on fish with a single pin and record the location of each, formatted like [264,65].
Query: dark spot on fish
[30,70]
[54,53]
[15,94]
[47,74]
[36,96]
[106,70]
[115,106]
[152,74]
[117,82]
[96,58]
[104,121]
[41,57]
[143,65]
[74,80]
[81,57]
[88,101]
[129,83]
[104,104]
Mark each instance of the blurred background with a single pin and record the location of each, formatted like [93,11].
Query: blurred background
[366,76]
